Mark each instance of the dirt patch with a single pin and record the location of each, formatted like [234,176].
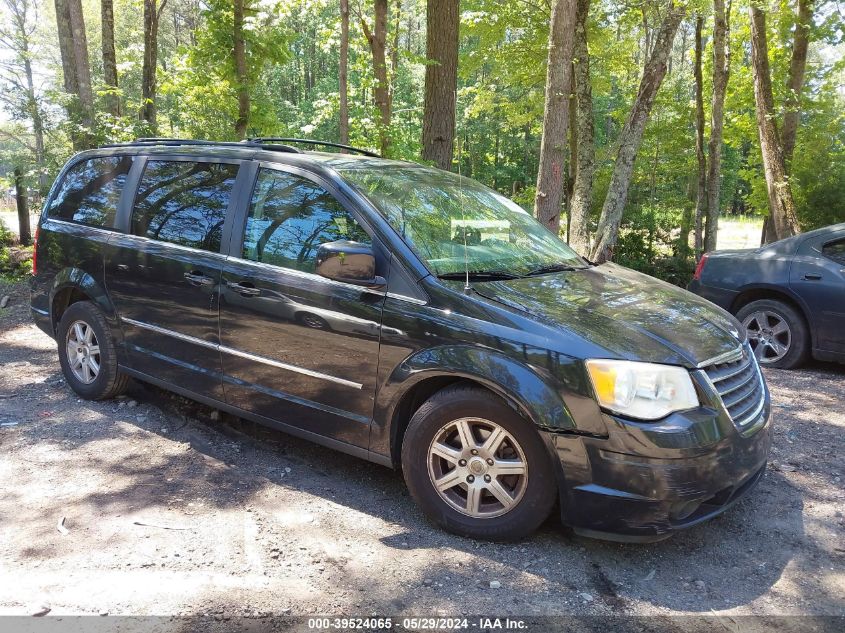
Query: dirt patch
[172,508]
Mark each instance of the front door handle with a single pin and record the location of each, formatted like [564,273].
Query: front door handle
[197,277]
[811,277]
[244,288]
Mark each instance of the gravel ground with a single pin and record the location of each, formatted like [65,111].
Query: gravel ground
[171,508]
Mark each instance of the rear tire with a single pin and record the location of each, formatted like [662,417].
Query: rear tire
[87,353]
[777,333]
[495,475]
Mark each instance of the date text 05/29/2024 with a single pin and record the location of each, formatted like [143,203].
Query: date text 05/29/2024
[417,624]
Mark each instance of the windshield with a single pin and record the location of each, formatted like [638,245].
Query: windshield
[455,223]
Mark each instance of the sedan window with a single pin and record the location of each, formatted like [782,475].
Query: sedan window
[835,251]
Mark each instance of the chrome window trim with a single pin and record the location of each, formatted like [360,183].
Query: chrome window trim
[306,275]
[414,300]
[242,354]
[93,227]
[315,277]
[165,243]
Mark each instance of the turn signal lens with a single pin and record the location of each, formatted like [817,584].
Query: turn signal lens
[645,391]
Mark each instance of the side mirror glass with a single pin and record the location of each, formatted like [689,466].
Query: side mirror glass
[349,262]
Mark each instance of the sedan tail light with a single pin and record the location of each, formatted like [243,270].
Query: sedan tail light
[700,267]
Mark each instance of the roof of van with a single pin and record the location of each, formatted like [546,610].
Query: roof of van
[346,158]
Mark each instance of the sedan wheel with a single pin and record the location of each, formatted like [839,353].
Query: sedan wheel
[769,335]
[477,467]
[83,352]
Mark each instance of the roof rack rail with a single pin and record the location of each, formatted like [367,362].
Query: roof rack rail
[161,140]
[313,142]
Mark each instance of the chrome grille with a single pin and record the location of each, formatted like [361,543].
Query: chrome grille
[739,383]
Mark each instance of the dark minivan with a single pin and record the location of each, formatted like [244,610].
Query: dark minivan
[408,316]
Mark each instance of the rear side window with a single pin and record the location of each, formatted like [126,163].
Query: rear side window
[184,202]
[835,251]
[289,217]
[90,191]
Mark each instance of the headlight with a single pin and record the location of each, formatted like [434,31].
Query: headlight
[641,390]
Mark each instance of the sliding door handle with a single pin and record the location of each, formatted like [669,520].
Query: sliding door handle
[197,277]
[244,288]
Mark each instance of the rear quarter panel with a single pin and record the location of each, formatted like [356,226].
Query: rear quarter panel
[70,255]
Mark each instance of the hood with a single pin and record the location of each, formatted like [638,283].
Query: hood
[631,315]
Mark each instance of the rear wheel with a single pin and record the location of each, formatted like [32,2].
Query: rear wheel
[476,467]
[776,332]
[87,353]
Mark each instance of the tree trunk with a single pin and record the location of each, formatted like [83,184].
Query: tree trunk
[23,208]
[441,82]
[377,39]
[768,235]
[343,79]
[781,203]
[239,51]
[795,82]
[148,73]
[550,175]
[65,33]
[109,58]
[37,130]
[582,191]
[21,18]
[80,57]
[701,195]
[721,71]
[73,48]
[632,135]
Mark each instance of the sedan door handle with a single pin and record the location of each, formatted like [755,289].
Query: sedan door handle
[197,277]
[244,288]
[812,277]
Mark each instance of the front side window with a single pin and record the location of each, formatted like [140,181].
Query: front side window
[290,217]
[90,191]
[835,251]
[184,202]
[455,223]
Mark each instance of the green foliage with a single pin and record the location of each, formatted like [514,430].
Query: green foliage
[648,243]
[15,261]
[292,54]
[202,84]
[7,238]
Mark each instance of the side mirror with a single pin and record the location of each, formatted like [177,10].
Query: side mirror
[349,262]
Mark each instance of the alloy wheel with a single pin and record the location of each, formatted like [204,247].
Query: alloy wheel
[83,352]
[477,467]
[769,335]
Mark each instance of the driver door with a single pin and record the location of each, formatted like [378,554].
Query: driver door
[298,348]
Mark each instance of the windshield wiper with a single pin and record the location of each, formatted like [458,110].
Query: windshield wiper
[554,268]
[480,275]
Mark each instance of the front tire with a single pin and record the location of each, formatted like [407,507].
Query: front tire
[777,333]
[87,353]
[476,467]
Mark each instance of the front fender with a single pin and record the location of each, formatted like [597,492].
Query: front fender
[523,386]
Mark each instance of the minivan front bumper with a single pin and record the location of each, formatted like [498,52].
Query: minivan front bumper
[647,480]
